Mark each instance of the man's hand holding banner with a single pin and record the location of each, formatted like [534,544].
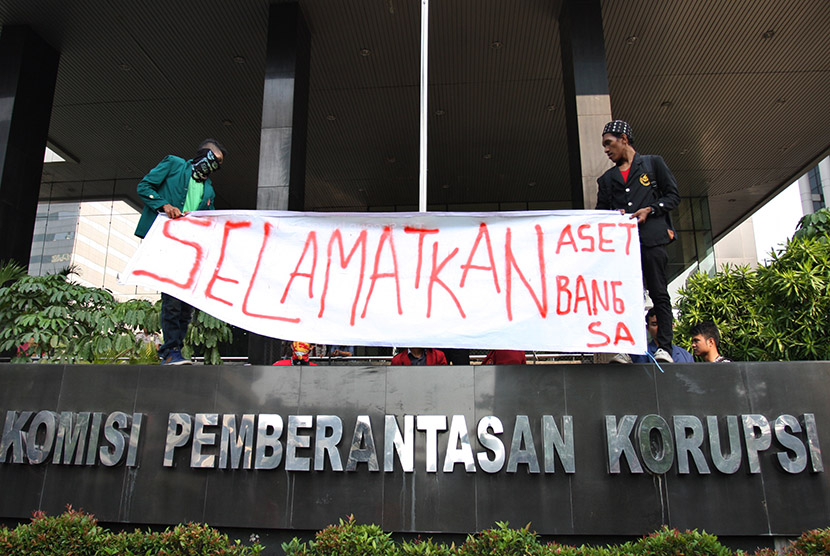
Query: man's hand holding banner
[560,280]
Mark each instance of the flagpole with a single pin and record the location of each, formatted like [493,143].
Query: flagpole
[422,166]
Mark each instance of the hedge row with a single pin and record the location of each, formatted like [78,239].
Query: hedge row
[75,533]
[352,539]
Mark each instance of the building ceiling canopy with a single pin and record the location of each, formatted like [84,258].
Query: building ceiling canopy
[732,93]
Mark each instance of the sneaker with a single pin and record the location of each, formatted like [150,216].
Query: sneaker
[621,358]
[174,357]
[663,356]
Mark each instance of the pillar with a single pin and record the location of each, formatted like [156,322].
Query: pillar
[282,150]
[28,71]
[587,99]
[824,174]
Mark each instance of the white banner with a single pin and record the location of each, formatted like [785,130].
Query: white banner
[555,280]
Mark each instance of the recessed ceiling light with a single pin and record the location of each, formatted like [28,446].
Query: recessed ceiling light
[446,186]
[365,52]
[487,156]
[631,40]
[56,153]
[239,60]
[495,45]
[50,156]
[768,34]
[331,117]
[361,189]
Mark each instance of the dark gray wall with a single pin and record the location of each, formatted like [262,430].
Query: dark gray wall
[589,501]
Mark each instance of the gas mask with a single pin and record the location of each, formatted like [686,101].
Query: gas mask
[204,164]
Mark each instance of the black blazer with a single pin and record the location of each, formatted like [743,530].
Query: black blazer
[650,184]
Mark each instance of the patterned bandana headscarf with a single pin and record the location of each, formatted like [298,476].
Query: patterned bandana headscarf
[619,126]
[300,350]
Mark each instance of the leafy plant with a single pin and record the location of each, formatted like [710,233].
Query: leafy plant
[58,320]
[420,547]
[725,299]
[197,539]
[503,541]
[206,332]
[815,225]
[810,543]
[780,311]
[72,532]
[11,271]
[78,533]
[671,542]
[348,538]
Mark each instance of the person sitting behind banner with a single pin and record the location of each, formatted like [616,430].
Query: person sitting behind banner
[419,357]
[341,351]
[299,355]
[679,354]
[457,356]
[505,357]
[706,342]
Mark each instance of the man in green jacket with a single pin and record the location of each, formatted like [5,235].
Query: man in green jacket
[175,187]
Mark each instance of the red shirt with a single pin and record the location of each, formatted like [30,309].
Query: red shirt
[433,357]
[505,357]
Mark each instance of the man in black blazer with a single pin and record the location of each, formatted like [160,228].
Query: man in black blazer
[644,187]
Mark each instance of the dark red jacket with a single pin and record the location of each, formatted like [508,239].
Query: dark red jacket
[505,357]
[434,357]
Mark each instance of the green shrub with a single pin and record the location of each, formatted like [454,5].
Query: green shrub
[420,547]
[779,312]
[502,540]
[196,539]
[58,320]
[759,552]
[348,538]
[811,543]
[205,333]
[565,550]
[75,533]
[72,532]
[671,542]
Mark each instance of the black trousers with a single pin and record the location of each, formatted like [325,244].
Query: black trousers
[175,318]
[653,261]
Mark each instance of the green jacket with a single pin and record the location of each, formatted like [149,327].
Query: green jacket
[167,184]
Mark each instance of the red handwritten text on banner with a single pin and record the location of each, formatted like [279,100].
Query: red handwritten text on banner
[559,280]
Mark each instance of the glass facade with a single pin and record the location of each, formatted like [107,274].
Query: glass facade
[96,237]
[694,248]
[816,192]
